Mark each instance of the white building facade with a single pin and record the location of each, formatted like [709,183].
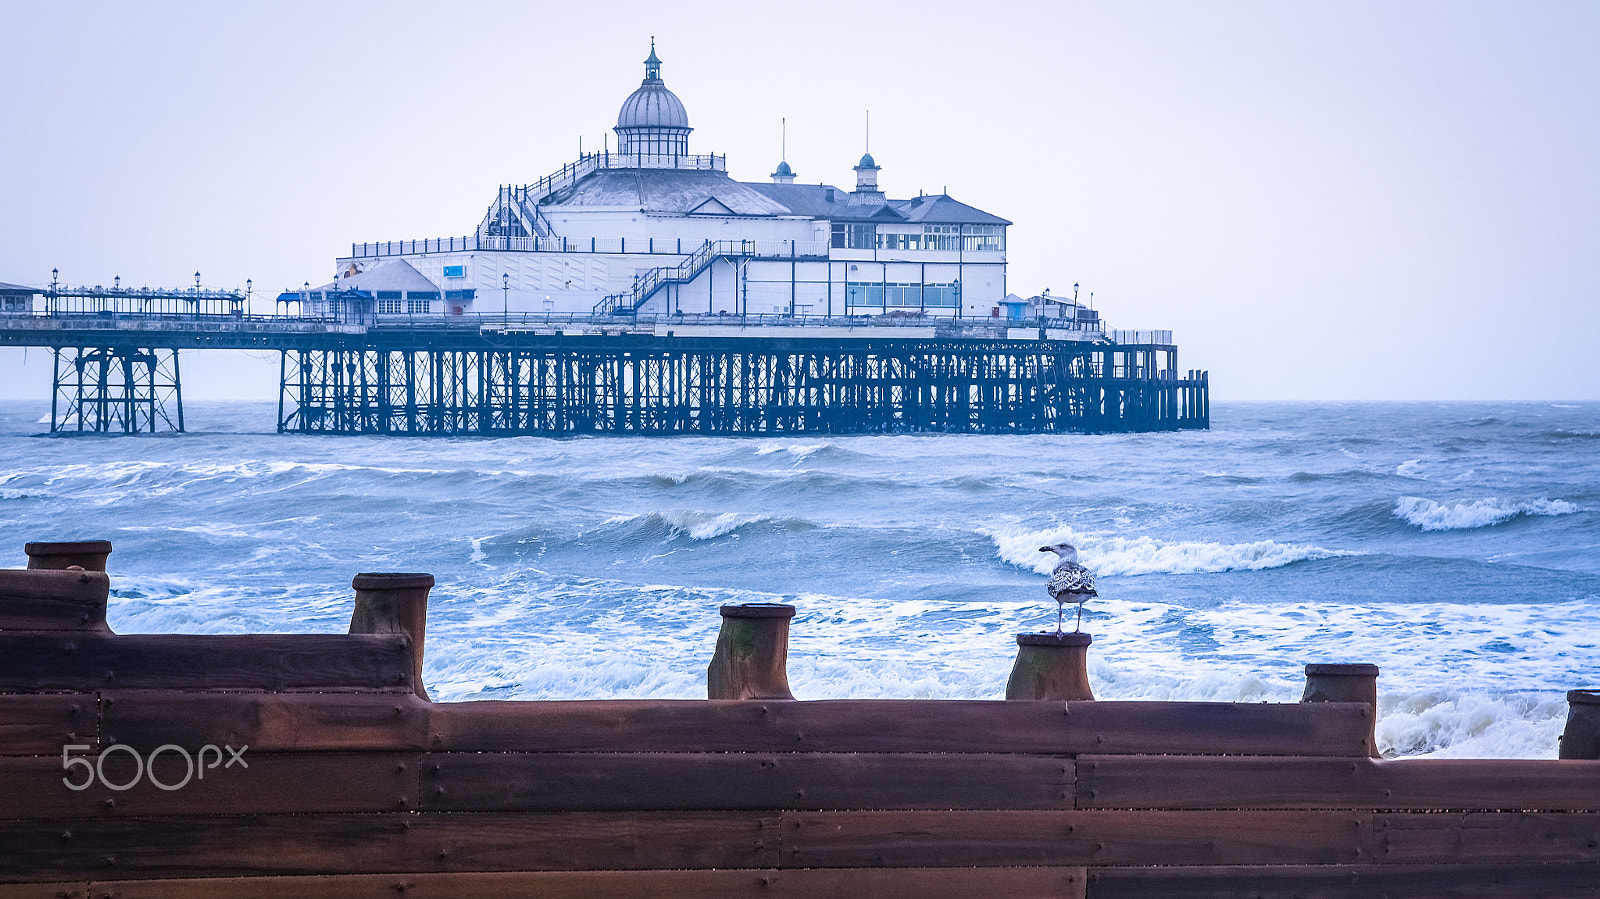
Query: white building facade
[652,229]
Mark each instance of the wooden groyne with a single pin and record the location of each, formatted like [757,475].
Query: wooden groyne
[313,766]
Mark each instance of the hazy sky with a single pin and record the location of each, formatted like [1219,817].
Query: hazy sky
[1339,200]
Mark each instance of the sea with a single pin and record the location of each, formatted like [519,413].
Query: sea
[1454,545]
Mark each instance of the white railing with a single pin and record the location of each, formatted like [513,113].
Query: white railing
[766,249]
[1141,337]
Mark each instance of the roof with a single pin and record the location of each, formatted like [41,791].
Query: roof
[940,208]
[17,288]
[666,190]
[391,274]
[812,200]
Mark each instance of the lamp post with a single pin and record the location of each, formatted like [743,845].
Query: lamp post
[505,296]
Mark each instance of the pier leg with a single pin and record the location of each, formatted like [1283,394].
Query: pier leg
[391,603]
[1051,666]
[1346,683]
[751,660]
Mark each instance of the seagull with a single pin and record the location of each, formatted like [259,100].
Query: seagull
[1069,582]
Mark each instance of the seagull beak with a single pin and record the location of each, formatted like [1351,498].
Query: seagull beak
[1044,549]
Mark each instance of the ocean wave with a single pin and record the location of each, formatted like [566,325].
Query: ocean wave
[1469,514]
[697,525]
[1452,725]
[1108,555]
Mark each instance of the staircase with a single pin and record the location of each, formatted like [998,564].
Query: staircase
[653,280]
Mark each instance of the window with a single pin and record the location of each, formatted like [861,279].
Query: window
[866,297]
[418,307]
[389,307]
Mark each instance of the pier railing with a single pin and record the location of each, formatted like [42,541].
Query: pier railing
[768,249]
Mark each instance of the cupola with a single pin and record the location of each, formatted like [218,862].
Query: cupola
[652,121]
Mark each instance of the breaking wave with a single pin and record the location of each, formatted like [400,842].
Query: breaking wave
[701,525]
[1147,555]
[1468,514]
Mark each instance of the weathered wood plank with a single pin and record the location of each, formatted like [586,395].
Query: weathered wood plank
[1348,882]
[1220,728]
[37,662]
[999,838]
[44,890]
[749,726]
[45,600]
[1200,782]
[1319,729]
[751,781]
[231,782]
[41,724]
[267,722]
[1509,837]
[888,883]
[257,845]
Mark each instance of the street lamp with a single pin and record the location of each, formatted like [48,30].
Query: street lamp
[116,283]
[505,296]
[196,282]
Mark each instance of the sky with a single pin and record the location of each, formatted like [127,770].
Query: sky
[1322,200]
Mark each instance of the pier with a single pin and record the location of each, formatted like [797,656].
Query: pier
[116,370]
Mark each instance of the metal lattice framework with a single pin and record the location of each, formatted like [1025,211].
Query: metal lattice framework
[117,389]
[644,385]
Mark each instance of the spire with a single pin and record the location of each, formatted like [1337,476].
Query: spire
[867,171]
[652,66]
[783,174]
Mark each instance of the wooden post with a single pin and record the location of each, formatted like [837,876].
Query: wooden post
[1051,666]
[391,603]
[1346,683]
[90,555]
[1581,739]
[752,655]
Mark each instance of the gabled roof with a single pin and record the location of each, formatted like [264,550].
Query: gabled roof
[17,288]
[711,206]
[940,208]
[812,200]
[391,274]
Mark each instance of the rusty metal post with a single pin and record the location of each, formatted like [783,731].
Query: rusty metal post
[90,555]
[1346,683]
[1051,666]
[751,660]
[1581,739]
[394,603]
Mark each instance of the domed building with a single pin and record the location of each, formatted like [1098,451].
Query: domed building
[652,229]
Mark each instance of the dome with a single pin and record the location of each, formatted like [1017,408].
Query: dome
[783,169]
[866,161]
[652,106]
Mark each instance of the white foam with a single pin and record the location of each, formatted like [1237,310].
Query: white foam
[1111,555]
[1468,514]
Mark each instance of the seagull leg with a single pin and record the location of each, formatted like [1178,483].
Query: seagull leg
[1079,626]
